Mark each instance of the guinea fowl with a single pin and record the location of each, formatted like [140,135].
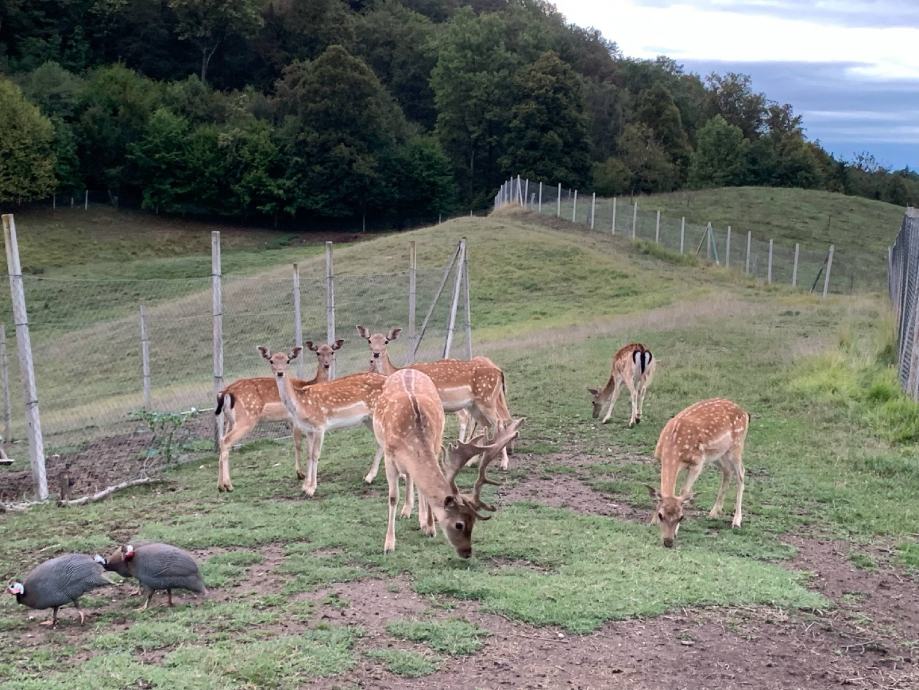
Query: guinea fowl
[156,567]
[59,581]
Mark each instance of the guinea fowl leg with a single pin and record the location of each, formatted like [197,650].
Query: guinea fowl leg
[80,611]
[53,620]
[150,594]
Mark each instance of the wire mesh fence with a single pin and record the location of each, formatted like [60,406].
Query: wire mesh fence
[102,409]
[772,262]
[903,284]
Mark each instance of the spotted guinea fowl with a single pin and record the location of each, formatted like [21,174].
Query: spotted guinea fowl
[59,581]
[156,567]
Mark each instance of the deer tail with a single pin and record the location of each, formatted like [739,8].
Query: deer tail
[642,358]
[220,398]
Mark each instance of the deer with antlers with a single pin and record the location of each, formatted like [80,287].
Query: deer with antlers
[475,388]
[248,402]
[707,431]
[409,423]
[322,407]
[633,366]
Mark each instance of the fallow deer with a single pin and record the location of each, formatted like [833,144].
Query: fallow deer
[707,431]
[475,388]
[633,365]
[247,402]
[322,407]
[409,423]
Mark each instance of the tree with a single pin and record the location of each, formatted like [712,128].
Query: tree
[207,23]
[611,177]
[161,159]
[26,147]
[650,167]
[732,96]
[547,136]
[655,108]
[423,180]
[720,157]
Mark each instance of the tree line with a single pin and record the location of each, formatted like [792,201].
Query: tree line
[388,108]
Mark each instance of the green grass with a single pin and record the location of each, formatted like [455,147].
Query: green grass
[831,452]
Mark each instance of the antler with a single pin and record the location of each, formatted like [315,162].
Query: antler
[493,450]
[458,454]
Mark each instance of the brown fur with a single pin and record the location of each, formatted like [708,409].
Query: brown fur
[625,371]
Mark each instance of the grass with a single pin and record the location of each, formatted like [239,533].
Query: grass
[831,452]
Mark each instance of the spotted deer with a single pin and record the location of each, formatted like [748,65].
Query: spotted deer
[247,402]
[633,366]
[475,388]
[707,431]
[409,424]
[322,407]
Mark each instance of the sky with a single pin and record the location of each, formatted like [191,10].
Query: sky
[849,67]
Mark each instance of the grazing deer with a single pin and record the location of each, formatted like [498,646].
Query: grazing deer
[322,407]
[409,424]
[475,389]
[254,400]
[707,431]
[633,365]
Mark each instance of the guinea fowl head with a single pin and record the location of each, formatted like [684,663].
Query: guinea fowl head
[16,588]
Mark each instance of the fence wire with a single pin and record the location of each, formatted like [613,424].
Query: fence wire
[903,284]
[628,217]
[86,345]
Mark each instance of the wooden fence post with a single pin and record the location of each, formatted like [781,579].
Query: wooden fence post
[24,345]
[708,242]
[558,208]
[412,292]
[457,284]
[769,265]
[539,207]
[614,216]
[747,262]
[217,316]
[593,208]
[682,233]
[298,318]
[526,193]
[634,218]
[794,271]
[574,207]
[727,249]
[829,266]
[467,300]
[657,228]
[5,381]
[329,302]
[86,200]
[145,357]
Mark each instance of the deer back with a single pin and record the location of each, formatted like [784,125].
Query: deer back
[703,428]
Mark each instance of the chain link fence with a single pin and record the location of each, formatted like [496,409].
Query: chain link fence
[105,416]
[903,284]
[771,262]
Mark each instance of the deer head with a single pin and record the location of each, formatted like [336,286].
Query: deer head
[596,398]
[461,510]
[378,343]
[279,361]
[324,352]
[669,513]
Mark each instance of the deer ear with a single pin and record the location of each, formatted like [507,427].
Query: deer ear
[363,332]
[593,391]
[393,333]
[294,353]
[654,492]
[266,353]
[686,500]
[311,346]
[338,343]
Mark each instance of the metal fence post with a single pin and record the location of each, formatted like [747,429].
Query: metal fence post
[829,266]
[526,193]
[614,216]
[5,381]
[24,345]
[145,356]
[657,228]
[330,302]
[682,233]
[298,318]
[558,208]
[747,262]
[539,207]
[457,284]
[217,316]
[467,300]
[634,218]
[794,270]
[593,208]
[412,291]
[440,289]
[574,207]
[86,200]
[727,249]
[769,265]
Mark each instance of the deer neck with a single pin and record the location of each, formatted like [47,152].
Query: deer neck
[435,487]
[387,368]
[322,374]
[670,467]
[290,396]
[608,389]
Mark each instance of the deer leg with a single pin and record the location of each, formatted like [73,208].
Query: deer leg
[240,430]
[719,501]
[312,472]
[463,419]
[409,504]
[737,456]
[375,467]
[643,384]
[298,439]
[617,389]
[392,479]
[633,398]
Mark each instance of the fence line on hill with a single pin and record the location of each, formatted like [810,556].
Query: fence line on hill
[122,364]
[766,260]
[903,286]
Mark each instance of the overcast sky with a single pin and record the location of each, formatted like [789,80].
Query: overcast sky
[850,67]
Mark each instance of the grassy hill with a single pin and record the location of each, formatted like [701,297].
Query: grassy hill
[301,591]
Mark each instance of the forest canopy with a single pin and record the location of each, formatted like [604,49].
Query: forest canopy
[387,108]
